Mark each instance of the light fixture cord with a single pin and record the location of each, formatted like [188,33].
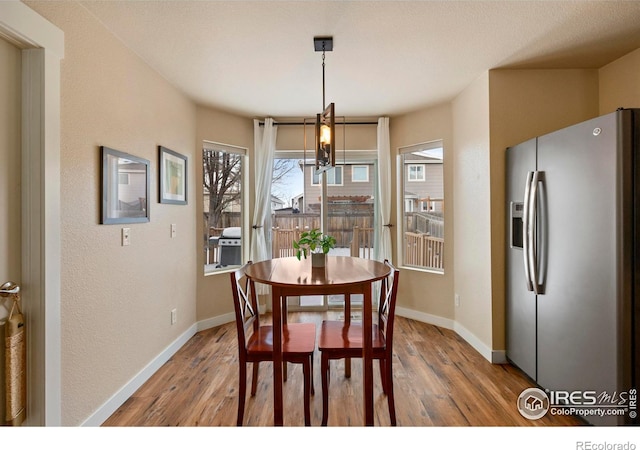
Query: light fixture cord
[323,102]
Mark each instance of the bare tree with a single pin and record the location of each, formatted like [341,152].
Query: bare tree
[222,181]
[280,186]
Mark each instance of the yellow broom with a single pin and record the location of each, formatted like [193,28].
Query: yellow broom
[15,357]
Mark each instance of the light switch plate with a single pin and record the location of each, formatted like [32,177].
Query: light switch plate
[173,230]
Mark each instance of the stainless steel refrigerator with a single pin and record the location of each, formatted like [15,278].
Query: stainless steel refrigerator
[572,259]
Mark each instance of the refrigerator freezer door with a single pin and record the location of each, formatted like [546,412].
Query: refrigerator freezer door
[521,302]
[577,328]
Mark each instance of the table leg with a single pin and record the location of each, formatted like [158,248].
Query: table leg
[277,355]
[367,356]
[347,322]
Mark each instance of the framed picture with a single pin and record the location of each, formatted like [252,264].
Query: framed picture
[125,187]
[173,177]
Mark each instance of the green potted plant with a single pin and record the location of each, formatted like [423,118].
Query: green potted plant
[316,243]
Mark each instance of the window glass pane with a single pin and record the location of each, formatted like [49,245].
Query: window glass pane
[423,214]
[334,176]
[416,172]
[331,176]
[223,207]
[360,173]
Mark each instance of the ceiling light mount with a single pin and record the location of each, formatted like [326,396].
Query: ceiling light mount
[323,43]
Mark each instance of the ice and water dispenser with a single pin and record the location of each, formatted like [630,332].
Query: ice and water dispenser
[515,219]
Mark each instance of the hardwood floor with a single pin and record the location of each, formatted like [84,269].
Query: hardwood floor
[439,380]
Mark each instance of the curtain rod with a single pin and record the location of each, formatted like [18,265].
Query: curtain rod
[313,123]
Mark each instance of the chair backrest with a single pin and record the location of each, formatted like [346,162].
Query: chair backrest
[245,305]
[387,303]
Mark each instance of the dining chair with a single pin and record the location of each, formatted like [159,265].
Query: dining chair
[255,342]
[343,340]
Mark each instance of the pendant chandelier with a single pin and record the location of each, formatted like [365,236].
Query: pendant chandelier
[325,121]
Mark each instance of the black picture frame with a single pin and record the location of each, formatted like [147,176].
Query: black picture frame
[172,177]
[125,187]
[326,149]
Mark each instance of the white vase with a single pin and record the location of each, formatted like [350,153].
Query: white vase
[318,259]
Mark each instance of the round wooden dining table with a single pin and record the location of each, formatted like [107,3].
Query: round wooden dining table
[341,275]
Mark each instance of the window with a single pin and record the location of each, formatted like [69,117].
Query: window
[334,176]
[342,210]
[225,233]
[416,172]
[360,174]
[420,169]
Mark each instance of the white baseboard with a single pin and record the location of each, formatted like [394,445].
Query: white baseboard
[215,321]
[493,356]
[111,405]
[425,318]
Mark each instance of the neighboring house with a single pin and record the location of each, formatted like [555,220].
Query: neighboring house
[349,183]
[423,184]
[297,203]
[276,203]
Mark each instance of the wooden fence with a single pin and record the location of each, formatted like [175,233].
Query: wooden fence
[282,242]
[424,222]
[362,243]
[340,226]
[423,250]
[420,249]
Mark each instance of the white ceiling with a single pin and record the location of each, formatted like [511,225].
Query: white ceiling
[257,58]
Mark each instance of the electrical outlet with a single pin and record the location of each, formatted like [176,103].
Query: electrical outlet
[173,230]
[126,236]
[174,316]
[457,300]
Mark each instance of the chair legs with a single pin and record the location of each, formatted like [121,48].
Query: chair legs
[242,392]
[386,373]
[313,391]
[307,370]
[254,378]
[383,375]
[386,377]
[324,372]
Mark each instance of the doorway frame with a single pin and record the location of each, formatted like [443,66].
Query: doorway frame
[42,47]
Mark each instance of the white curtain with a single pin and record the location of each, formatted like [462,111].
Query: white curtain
[264,150]
[382,244]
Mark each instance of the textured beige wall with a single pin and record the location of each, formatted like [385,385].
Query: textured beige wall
[525,104]
[214,291]
[428,293]
[619,83]
[10,258]
[116,301]
[472,225]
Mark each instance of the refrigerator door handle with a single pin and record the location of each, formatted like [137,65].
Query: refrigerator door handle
[531,231]
[525,230]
